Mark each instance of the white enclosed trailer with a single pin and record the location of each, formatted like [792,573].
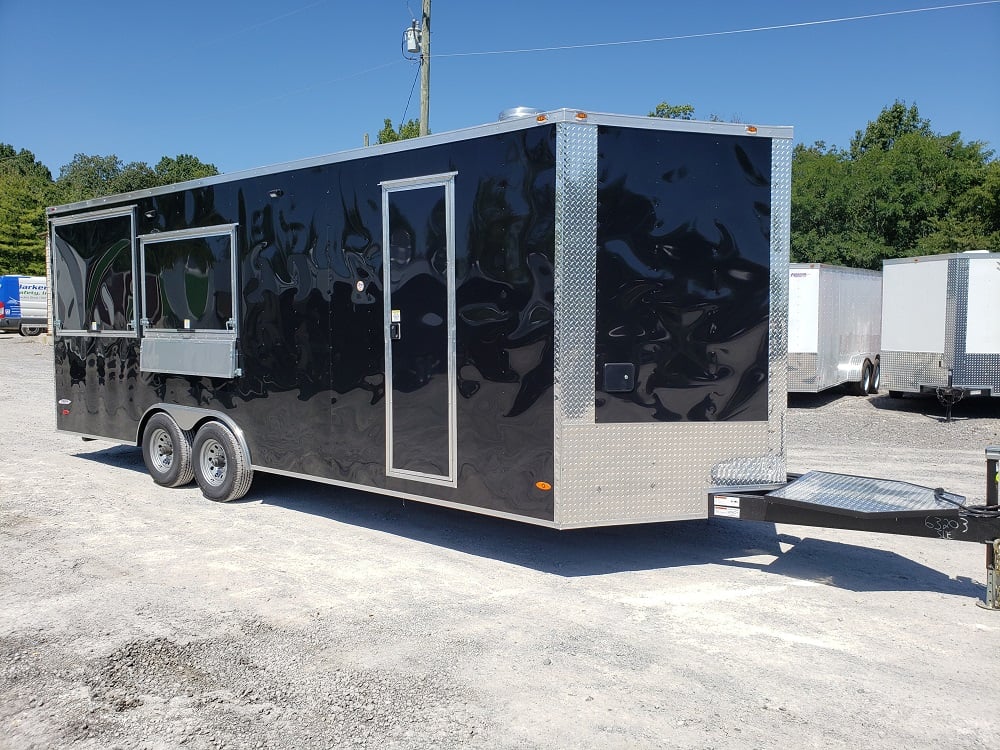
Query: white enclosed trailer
[834,324]
[941,324]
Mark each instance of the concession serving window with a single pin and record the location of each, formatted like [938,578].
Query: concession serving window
[93,267]
[188,292]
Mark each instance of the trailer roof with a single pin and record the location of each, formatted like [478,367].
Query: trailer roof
[832,267]
[972,254]
[501,126]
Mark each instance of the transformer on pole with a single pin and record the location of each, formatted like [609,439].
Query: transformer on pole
[417,41]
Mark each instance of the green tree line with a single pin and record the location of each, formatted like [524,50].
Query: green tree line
[900,189]
[27,187]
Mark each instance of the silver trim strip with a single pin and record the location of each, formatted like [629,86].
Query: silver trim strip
[445,180]
[92,215]
[215,230]
[99,334]
[417,182]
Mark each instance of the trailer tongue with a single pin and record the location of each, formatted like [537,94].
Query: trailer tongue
[840,501]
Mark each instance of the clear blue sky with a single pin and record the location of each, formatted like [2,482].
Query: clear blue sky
[246,83]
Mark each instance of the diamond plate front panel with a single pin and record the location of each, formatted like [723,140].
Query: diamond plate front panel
[979,371]
[907,371]
[631,473]
[802,372]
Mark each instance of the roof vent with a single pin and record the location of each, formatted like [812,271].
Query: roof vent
[515,112]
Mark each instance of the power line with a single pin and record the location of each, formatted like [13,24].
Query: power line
[703,35]
[409,98]
[265,22]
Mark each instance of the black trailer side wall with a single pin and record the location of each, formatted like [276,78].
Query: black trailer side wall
[311,397]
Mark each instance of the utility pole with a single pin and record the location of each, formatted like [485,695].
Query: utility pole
[425,68]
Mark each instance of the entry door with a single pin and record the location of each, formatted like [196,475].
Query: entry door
[418,268]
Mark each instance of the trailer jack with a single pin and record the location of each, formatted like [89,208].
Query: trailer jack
[839,501]
[992,601]
[948,396]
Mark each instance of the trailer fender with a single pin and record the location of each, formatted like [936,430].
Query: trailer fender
[851,370]
[191,418]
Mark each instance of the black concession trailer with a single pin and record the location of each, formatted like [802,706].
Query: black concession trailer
[566,318]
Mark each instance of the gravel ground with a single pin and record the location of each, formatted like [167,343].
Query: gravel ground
[305,616]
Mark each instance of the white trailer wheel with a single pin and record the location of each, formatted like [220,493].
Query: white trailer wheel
[29,330]
[166,451]
[862,387]
[220,466]
[876,377]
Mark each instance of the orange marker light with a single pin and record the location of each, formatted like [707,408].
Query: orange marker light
[542,118]
[751,128]
[543,486]
[581,115]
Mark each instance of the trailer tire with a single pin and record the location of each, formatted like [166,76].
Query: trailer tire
[220,465]
[862,386]
[166,451]
[876,377]
[29,330]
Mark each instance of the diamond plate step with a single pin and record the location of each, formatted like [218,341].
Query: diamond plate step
[864,496]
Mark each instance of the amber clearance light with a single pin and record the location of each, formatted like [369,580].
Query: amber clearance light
[543,486]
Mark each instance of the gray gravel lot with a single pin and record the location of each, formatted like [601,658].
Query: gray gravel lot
[306,616]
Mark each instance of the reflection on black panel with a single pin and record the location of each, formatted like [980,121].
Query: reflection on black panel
[189,283]
[93,267]
[418,264]
[683,275]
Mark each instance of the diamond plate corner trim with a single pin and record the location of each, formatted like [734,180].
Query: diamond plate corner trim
[575,293]
[969,370]
[777,389]
[956,315]
[575,271]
